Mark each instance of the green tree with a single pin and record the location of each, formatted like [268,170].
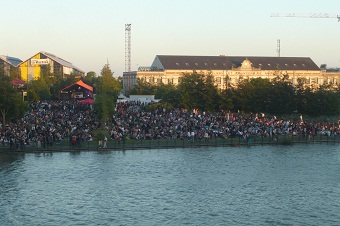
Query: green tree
[11,101]
[14,72]
[168,93]
[107,90]
[143,88]
[211,97]
[191,89]
[41,88]
[282,96]
[91,78]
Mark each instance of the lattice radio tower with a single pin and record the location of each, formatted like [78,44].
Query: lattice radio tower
[278,50]
[127,47]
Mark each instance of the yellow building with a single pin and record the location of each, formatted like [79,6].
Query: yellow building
[169,68]
[34,66]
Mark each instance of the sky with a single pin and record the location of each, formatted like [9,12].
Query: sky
[90,33]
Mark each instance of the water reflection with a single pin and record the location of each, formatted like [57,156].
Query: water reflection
[9,158]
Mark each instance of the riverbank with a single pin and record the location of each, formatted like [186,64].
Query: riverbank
[114,145]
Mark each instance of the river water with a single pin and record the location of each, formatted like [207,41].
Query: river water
[261,185]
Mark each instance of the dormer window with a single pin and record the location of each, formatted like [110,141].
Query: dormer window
[269,65]
[206,64]
[187,64]
[177,64]
[196,64]
[303,65]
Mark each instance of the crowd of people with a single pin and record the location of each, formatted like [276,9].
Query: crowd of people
[48,122]
[132,121]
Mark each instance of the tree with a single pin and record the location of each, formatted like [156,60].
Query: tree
[41,88]
[198,91]
[143,88]
[91,78]
[11,102]
[211,95]
[107,90]
[168,94]
[107,83]
[191,90]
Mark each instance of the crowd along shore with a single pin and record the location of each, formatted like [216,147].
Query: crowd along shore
[72,126]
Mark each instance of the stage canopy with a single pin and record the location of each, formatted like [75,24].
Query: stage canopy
[87,101]
[77,91]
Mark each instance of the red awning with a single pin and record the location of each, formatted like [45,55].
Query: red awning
[87,101]
[17,82]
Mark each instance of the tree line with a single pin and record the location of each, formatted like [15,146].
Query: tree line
[278,96]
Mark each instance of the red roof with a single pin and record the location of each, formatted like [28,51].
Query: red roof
[82,84]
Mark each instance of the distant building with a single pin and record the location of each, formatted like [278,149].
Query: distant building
[33,67]
[10,65]
[228,70]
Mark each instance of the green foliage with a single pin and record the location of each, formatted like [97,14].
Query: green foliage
[91,78]
[192,91]
[41,88]
[282,97]
[168,94]
[143,88]
[11,101]
[107,90]
[107,83]
[14,72]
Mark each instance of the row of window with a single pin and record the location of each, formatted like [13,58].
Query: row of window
[224,64]
[219,80]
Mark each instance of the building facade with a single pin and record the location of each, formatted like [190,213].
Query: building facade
[32,68]
[229,70]
[10,65]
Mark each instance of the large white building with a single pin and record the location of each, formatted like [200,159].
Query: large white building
[169,68]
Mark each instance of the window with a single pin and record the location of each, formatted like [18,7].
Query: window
[177,64]
[218,80]
[170,81]
[196,64]
[314,80]
[159,80]
[325,81]
[187,64]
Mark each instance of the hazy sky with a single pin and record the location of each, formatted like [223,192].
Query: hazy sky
[88,32]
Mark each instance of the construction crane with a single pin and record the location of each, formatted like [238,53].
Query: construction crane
[306,15]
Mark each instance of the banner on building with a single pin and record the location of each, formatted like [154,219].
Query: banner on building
[40,61]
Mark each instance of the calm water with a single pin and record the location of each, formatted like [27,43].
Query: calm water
[270,185]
